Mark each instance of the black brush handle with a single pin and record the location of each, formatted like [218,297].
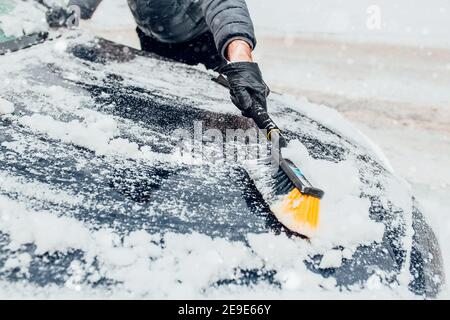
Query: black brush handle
[265,122]
[260,116]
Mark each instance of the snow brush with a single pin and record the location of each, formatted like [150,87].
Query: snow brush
[291,197]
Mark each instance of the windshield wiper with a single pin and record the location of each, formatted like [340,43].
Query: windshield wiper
[22,42]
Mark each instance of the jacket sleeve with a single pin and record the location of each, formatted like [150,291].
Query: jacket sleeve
[229,20]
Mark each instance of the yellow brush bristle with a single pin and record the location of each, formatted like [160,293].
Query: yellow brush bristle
[298,212]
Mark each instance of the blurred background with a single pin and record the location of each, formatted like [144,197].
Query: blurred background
[384,64]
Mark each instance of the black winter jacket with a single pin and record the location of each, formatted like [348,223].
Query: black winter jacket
[175,21]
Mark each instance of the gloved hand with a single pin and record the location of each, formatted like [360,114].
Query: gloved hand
[246,85]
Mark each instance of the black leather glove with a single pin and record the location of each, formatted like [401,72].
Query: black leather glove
[246,85]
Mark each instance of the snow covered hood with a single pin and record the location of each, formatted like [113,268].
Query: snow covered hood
[97,201]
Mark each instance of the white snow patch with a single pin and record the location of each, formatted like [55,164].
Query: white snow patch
[279,250]
[399,21]
[6,107]
[105,16]
[48,232]
[146,269]
[344,215]
[185,265]
[37,190]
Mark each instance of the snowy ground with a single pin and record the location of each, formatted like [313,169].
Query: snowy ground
[391,82]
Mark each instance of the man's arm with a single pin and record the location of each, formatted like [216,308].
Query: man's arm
[232,27]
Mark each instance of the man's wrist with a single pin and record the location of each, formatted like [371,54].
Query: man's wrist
[239,51]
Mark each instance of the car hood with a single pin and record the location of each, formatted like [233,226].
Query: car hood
[97,198]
